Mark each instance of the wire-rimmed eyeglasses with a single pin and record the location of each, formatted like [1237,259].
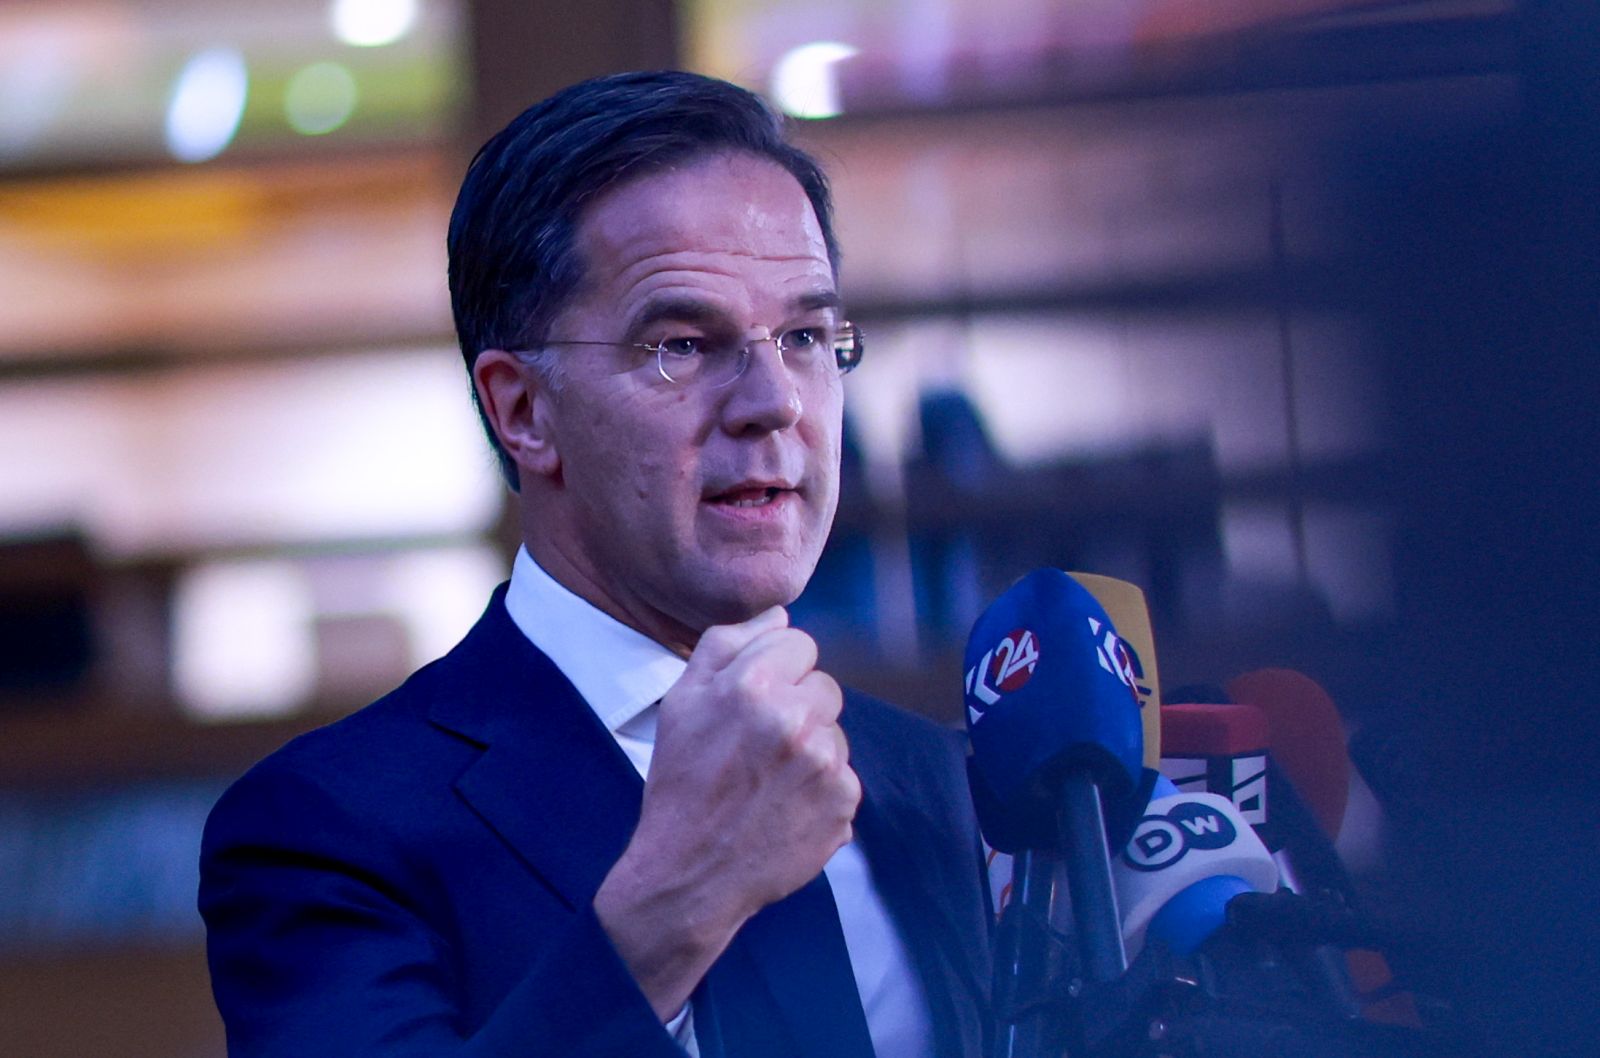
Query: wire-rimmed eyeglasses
[707,361]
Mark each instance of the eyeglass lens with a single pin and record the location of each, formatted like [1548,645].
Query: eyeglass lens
[804,350]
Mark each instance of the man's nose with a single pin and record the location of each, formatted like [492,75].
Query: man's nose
[766,397]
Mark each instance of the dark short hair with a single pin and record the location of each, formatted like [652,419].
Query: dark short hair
[514,261]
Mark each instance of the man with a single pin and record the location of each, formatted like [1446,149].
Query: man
[599,826]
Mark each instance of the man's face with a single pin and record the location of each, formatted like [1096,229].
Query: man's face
[680,506]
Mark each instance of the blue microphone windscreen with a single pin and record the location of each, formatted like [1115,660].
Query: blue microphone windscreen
[1190,918]
[1049,687]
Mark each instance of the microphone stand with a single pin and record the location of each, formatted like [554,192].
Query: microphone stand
[1027,959]
[1087,859]
[1029,956]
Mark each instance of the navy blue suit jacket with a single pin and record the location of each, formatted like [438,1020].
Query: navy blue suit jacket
[417,879]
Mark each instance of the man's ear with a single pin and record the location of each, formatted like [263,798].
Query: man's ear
[517,404]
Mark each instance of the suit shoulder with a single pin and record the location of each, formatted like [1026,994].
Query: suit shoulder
[384,751]
[388,741]
[393,721]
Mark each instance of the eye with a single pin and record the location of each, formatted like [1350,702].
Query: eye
[801,339]
[682,348]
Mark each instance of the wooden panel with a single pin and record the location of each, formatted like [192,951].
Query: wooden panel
[147,1003]
[216,261]
[524,50]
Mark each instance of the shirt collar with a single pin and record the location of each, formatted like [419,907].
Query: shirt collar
[620,672]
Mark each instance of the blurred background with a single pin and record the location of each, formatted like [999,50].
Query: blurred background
[1285,310]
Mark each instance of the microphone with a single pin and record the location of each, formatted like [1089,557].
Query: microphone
[1125,604]
[1232,750]
[1189,856]
[1220,749]
[1307,738]
[1056,764]
[1308,746]
[1049,695]
[1226,749]
[1223,749]
[1184,901]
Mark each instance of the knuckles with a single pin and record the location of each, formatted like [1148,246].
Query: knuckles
[823,746]
[826,695]
[750,684]
[850,789]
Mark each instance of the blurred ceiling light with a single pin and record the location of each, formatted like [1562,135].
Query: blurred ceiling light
[372,23]
[206,105]
[243,646]
[319,98]
[36,79]
[439,593]
[804,82]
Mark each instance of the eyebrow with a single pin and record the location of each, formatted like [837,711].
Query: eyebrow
[817,301]
[699,313]
[681,309]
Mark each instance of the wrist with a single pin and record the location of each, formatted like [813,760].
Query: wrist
[666,932]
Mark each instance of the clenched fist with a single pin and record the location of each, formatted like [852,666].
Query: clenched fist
[750,792]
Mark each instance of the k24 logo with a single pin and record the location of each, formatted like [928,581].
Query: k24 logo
[1003,669]
[1115,656]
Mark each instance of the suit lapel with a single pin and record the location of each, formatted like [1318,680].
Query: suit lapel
[798,949]
[904,872]
[551,781]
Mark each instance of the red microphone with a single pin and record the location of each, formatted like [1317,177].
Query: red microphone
[1308,745]
[1308,740]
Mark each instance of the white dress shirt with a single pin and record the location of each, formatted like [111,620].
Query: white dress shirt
[622,675]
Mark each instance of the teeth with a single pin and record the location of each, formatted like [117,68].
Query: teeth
[759,500]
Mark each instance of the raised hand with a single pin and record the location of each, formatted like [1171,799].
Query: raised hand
[750,792]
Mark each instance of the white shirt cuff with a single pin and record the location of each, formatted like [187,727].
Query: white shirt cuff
[681,1029]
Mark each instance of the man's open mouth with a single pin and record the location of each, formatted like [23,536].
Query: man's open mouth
[759,496]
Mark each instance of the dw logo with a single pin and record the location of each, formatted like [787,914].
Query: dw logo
[1160,841]
[1004,669]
